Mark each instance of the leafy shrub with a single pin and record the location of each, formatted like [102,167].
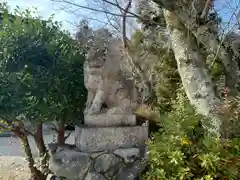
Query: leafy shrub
[182,150]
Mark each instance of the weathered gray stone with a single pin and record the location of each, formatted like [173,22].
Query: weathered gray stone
[105,79]
[55,147]
[96,154]
[111,173]
[51,177]
[94,176]
[105,119]
[105,161]
[93,139]
[132,171]
[129,155]
[54,177]
[69,163]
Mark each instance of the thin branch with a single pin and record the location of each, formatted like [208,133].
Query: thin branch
[206,9]
[28,132]
[118,5]
[65,138]
[126,10]
[54,127]
[128,6]
[110,19]
[131,14]
[12,127]
[89,8]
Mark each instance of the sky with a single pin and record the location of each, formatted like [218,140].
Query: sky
[69,20]
[229,11]
[46,9]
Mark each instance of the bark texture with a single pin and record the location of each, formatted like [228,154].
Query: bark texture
[210,40]
[188,11]
[195,77]
[43,153]
[35,173]
[61,132]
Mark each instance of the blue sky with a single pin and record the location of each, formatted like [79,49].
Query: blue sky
[228,10]
[46,8]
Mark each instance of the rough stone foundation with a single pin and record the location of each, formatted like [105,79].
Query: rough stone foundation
[120,164]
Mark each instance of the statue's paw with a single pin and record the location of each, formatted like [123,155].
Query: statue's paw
[85,111]
[92,111]
[115,110]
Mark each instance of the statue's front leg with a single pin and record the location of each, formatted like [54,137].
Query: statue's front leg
[97,102]
[90,98]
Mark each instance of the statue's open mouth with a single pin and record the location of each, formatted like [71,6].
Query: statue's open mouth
[95,65]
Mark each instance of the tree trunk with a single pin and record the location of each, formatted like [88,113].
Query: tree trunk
[35,173]
[195,77]
[211,42]
[204,34]
[42,150]
[61,132]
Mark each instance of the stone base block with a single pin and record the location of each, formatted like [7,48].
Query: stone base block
[105,120]
[93,139]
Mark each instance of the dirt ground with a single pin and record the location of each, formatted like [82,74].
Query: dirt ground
[12,162]
[13,168]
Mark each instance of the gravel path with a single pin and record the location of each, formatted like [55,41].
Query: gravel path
[12,162]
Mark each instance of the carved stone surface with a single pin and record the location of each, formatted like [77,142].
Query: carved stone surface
[105,119]
[104,78]
[110,145]
[104,166]
[92,139]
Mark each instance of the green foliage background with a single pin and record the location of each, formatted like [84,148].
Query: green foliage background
[183,150]
[41,69]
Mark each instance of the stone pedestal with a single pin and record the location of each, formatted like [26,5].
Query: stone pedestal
[107,147]
[106,120]
[93,139]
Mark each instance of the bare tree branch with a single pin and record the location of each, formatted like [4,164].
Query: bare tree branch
[54,127]
[129,14]
[28,132]
[65,138]
[206,9]
[126,10]
[116,27]
[89,8]
[128,6]
[118,5]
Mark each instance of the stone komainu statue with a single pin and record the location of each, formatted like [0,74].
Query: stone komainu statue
[104,78]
